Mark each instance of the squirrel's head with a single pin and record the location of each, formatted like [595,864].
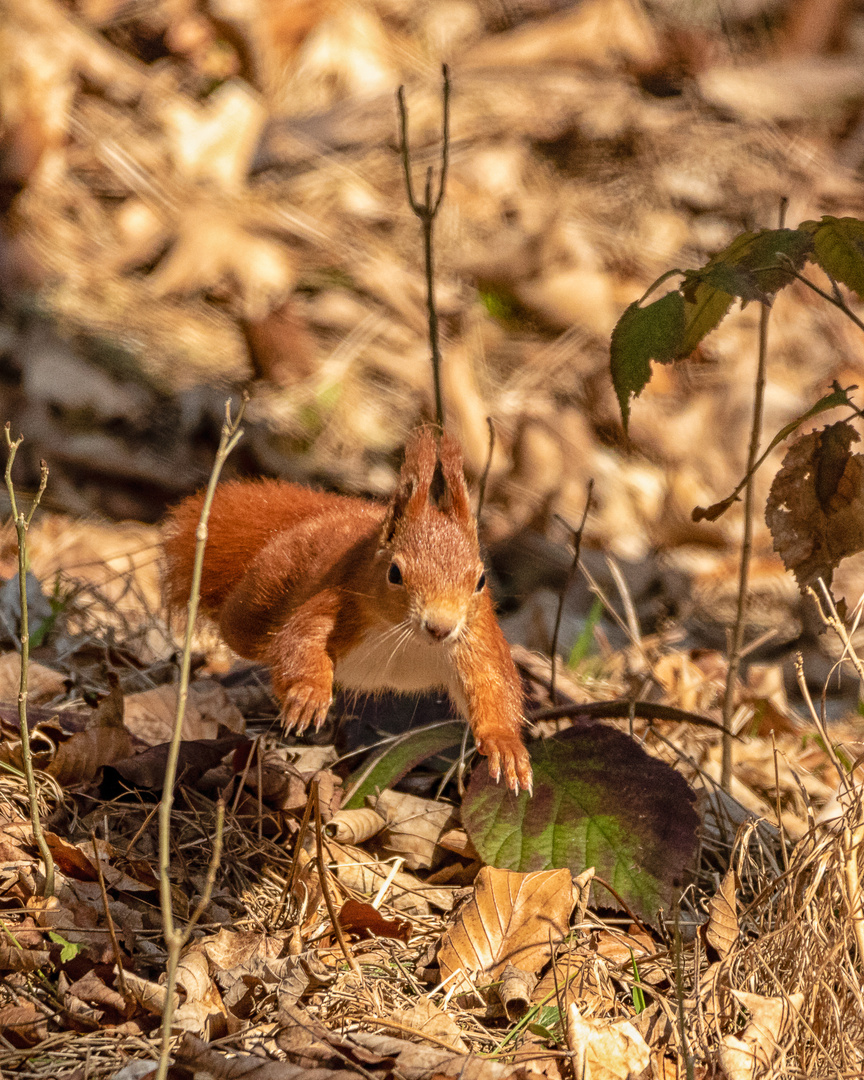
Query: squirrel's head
[429,551]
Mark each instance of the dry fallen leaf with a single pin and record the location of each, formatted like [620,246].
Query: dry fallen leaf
[722,928]
[150,714]
[102,742]
[365,921]
[512,919]
[43,683]
[354,826]
[426,1017]
[604,1050]
[754,1050]
[414,827]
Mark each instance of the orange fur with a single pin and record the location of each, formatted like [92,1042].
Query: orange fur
[324,587]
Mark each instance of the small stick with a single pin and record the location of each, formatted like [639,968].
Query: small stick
[174,938]
[22,524]
[325,886]
[737,639]
[112,932]
[427,211]
[484,479]
[565,588]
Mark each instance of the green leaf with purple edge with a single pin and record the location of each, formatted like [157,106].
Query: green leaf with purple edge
[838,247]
[399,758]
[599,800]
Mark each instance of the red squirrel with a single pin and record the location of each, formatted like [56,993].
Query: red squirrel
[373,596]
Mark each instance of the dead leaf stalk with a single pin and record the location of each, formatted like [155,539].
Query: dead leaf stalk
[22,523]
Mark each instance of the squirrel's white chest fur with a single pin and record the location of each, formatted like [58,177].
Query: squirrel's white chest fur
[384,660]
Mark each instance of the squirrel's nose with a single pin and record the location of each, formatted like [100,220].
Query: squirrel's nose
[439,629]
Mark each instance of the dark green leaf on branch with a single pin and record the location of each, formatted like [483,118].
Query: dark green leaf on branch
[704,309]
[599,800]
[838,247]
[643,334]
[755,265]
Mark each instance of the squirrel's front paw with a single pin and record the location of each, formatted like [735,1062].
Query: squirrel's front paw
[507,753]
[305,703]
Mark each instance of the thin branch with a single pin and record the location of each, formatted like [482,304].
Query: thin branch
[174,938]
[22,523]
[325,886]
[737,640]
[427,211]
[565,588]
[484,479]
[836,298]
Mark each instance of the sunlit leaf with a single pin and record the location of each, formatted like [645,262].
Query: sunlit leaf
[838,246]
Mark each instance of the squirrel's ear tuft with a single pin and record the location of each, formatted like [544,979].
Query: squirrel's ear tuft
[415,479]
[431,475]
[456,500]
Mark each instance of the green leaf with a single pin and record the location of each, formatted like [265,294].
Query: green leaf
[399,758]
[70,948]
[838,245]
[586,635]
[704,309]
[599,800]
[750,266]
[638,993]
[641,335]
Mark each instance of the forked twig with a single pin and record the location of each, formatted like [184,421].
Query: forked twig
[22,524]
[427,211]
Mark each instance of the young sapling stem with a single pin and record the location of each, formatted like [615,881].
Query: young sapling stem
[22,524]
[737,637]
[176,938]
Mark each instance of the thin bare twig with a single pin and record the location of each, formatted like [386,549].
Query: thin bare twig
[484,479]
[22,524]
[174,938]
[325,885]
[565,588]
[737,639]
[427,211]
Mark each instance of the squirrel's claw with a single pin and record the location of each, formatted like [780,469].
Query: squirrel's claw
[304,704]
[507,753]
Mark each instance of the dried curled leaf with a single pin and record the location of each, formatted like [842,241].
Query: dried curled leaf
[354,826]
[722,929]
[815,508]
[511,919]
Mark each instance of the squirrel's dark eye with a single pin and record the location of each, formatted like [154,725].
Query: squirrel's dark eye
[481,581]
[394,574]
